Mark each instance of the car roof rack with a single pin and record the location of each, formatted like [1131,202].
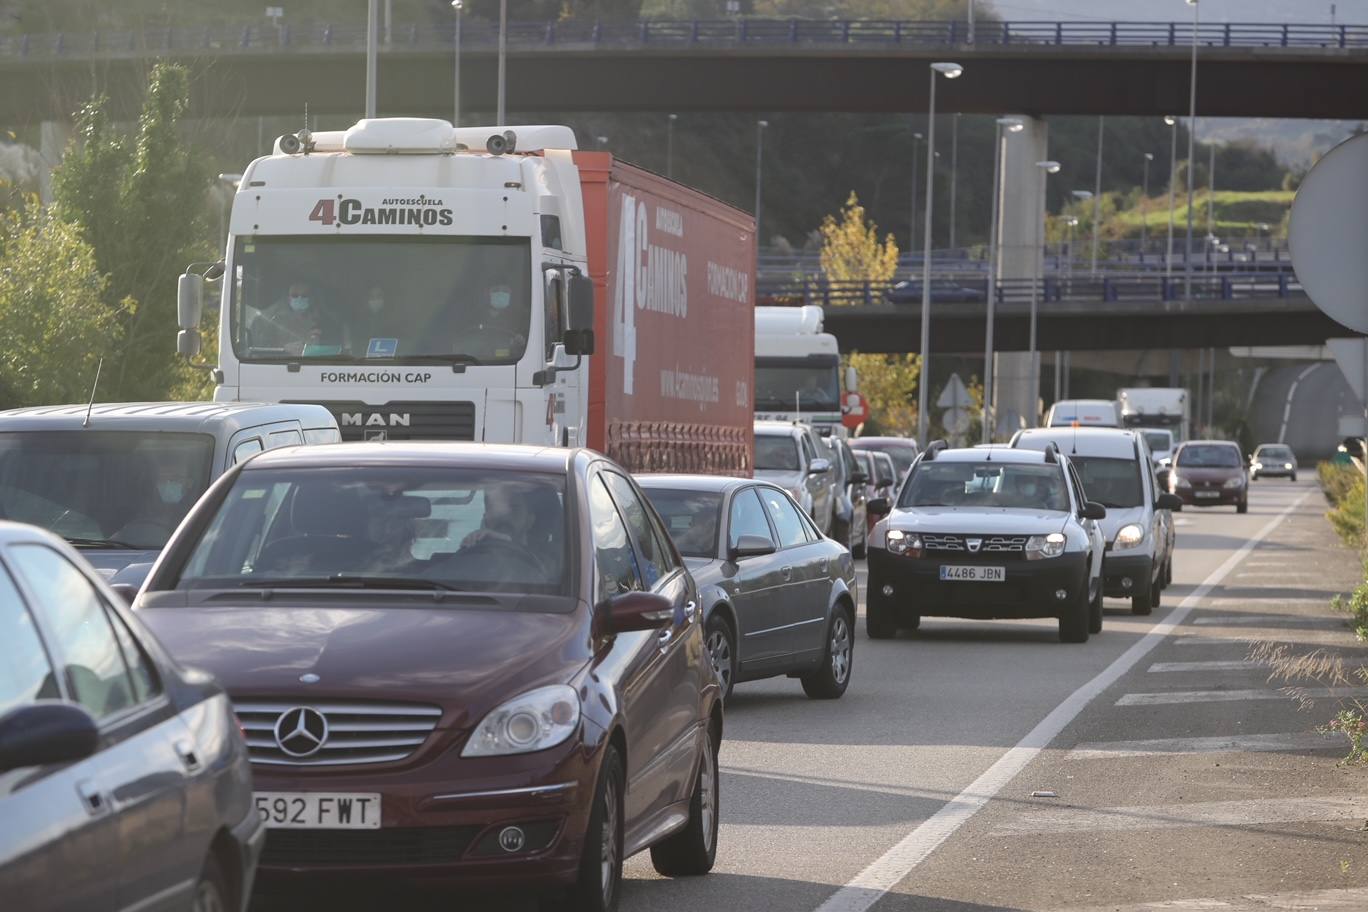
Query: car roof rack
[1051,452]
[933,448]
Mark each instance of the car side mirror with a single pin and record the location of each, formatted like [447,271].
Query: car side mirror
[879,506]
[631,611]
[1168,502]
[126,591]
[49,731]
[819,467]
[1094,510]
[750,546]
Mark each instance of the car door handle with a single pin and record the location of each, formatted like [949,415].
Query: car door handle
[185,749]
[822,565]
[786,573]
[689,608]
[663,638]
[93,800]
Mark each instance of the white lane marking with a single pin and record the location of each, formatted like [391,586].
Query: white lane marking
[1277,620]
[1233,696]
[1109,750]
[1188,814]
[1236,665]
[842,784]
[865,889]
[1354,899]
[1291,394]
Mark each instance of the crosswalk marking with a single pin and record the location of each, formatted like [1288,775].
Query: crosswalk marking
[1235,665]
[1352,899]
[1231,696]
[1193,814]
[1226,744]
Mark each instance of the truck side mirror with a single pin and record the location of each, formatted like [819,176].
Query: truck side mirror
[188,343]
[852,379]
[579,336]
[189,300]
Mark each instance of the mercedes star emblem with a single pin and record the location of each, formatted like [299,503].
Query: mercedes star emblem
[301,732]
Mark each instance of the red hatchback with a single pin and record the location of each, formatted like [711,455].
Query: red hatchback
[454,662]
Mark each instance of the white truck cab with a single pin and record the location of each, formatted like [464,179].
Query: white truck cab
[798,369]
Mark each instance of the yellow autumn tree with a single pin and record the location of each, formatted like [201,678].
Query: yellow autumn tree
[852,251]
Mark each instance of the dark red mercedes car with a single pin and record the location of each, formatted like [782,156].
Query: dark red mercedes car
[453,661]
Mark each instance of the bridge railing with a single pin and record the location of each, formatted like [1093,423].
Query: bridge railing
[1051,290]
[257,36]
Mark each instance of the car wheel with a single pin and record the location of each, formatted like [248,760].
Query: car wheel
[1095,612]
[1156,592]
[600,867]
[211,890]
[1168,572]
[1242,507]
[1143,601]
[692,850]
[1294,476]
[721,643]
[1075,622]
[832,677]
[880,623]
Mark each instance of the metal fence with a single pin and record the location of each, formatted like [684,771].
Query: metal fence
[258,37]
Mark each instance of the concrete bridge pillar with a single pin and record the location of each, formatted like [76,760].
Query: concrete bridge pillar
[1017,405]
[53,136]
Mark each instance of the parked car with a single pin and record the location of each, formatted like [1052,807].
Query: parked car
[778,597]
[793,456]
[1273,460]
[902,450]
[851,514]
[1000,533]
[1116,469]
[943,291]
[1210,473]
[473,662]
[124,780]
[1084,413]
[115,479]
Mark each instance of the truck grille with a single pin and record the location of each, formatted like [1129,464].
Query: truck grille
[348,732]
[991,544]
[404,420]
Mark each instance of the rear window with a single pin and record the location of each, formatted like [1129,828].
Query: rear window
[1110,482]
[472,530]
[902,454]
[691,517]
[1209,456]
[776,453]
[1158,441]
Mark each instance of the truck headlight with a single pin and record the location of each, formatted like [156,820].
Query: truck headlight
[1232,483]
[1130,536]
[1039,547]
[904,543]
[534,721]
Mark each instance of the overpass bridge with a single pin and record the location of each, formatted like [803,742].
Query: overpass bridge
[1033,67]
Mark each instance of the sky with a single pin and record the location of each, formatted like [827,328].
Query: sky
[1308,11]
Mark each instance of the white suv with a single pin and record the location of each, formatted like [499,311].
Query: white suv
[792,456]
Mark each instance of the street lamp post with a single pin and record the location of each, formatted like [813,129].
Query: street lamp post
[1144,205]
[1037,270]
[1083,196]
[372,54]
[912,219]
[669,145]
[1097,198]
[954,173]
[1173,177]
[1005,126]
[1192,128]
[760,126]
[503,61]
[949,71]
[456,7]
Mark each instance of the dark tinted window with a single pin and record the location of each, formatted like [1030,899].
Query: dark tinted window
[785,516]
[466,529]
[690,517]
[655,557]
[986,485]
[25,672]
[1110,482]
[1159,441]
[617,565]
[1209,456]
[748,518]
[777,453]
[887,469]
[1273,452]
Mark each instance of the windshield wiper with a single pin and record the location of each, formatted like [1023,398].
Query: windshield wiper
[104,543]
[345,581]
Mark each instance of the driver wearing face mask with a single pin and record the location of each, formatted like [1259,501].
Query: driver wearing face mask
[171,497]
[500,331]
[290,324]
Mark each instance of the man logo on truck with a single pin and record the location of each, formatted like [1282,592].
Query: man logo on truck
[421,211]
[374,419]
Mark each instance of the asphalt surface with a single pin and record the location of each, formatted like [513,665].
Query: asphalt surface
[914,791]
[1300,404]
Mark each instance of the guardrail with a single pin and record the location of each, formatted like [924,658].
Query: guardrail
[1049,290]
[257,36]
[949,263]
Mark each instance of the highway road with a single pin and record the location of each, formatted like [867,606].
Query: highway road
[1179,772]
[1300,404]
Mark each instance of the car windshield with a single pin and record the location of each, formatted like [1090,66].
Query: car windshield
[986,485]
[471,530]
[103,488]
[1110,482]
[776,453]
[346,299]
[1274,452]
[903,454]
[1158,441]
[1209,456]
[691,517]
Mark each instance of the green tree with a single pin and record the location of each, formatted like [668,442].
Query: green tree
[851,251]
[55,324]
[138,200]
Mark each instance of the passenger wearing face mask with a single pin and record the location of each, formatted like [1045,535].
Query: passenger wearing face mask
[290,324]
[500,331]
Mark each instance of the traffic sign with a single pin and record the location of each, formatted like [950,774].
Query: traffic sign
[955,394]
[1328,234]
[856,411]
[956,420]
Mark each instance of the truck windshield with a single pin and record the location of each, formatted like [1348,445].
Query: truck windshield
[409,527]
[986,485]
[343,299]
[807,384]
[103,488]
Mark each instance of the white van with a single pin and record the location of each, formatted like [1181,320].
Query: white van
[1084,413]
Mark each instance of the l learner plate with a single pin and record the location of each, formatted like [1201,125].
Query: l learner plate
[974,574]
[319,810]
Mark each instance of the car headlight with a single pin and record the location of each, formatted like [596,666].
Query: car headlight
[1234,482]
[1181,482]
[1256,466]
[1287,465]
[904,543]
[1130,536]
[1039,547]
[534,721]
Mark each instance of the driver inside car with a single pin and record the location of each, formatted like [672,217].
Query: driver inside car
[510,517]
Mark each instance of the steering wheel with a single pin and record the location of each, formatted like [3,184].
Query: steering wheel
[511,548]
